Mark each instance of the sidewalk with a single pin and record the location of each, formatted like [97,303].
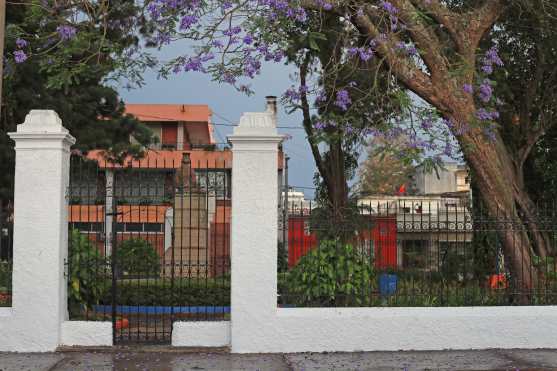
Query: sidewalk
[167,359]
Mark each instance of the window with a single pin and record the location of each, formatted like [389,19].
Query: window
[152,227]
[215,182]
[169,135]
[415,253]
[87,227]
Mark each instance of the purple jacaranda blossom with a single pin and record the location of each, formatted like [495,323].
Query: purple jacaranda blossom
[343,99]
[321,96]
[487,69]
[319,125]
[427,123]
[248,39]
[390,8]
[232,31]
[229,78]
[394,23]
[292,94]
[187,21]
[485,115]
[448,150]
[349,129]
[468,88]
[21,43]
[364,54]
[20,56]
[226,5]
[486,91]
[217,44]
[194,64]
[492,57]
[278,56]
[301,15]
[408,49]
[66,32]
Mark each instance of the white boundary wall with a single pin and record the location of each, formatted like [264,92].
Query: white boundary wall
[37,322]
[257,325]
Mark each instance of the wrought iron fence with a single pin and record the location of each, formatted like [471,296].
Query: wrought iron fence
[414,251]
[150,241]
[6,254]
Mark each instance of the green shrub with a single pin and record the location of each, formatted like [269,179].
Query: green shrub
[136,257]
[5,276]
[334,274]
[88,273]
[164,292]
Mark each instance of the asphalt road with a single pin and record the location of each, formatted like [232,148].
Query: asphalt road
[166,359]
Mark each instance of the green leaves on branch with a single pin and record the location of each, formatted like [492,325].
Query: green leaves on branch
[333,274]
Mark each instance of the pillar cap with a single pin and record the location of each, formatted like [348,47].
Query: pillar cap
[42,124]
[42,121]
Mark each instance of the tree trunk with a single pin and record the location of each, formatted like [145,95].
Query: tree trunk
[498,183]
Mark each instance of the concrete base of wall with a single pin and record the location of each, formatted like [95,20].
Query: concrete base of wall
[392,329]
[201,334]
[86,333]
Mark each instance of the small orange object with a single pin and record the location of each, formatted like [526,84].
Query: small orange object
[498,281]
[122,323]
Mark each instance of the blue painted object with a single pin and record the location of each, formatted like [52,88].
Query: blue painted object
[387,284]
[144,309]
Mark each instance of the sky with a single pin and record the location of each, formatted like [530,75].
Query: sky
[228,104]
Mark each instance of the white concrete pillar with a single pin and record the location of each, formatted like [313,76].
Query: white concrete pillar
[254,229]
[42,148]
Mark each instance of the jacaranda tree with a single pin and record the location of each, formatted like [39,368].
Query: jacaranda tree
[430,54]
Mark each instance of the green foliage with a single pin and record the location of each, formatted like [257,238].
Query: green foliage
[334,274]
[136,257]
[88,272]
[181,292]
[5,276]
[68,77]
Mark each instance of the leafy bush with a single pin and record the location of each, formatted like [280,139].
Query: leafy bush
[181,292]
[136,257]
[5,276]
[334,274]
[88,273]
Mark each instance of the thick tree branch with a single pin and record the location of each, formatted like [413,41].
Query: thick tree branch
[307,119]
[425,39]
[480,21]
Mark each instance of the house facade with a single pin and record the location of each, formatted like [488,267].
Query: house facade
[177,196]
[419,232]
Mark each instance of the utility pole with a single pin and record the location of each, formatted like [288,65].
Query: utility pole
[2,36]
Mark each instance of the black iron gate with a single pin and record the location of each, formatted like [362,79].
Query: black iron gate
[149,242]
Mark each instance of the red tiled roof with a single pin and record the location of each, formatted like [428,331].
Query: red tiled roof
[169,112]
[172,159]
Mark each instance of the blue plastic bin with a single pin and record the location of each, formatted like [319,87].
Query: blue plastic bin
[387,284]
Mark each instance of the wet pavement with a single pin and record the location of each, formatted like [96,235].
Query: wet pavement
[168,359]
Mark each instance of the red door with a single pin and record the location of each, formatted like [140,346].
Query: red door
[384,240]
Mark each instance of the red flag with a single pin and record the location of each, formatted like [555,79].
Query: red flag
[402,190]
